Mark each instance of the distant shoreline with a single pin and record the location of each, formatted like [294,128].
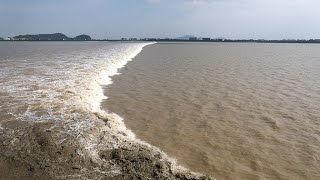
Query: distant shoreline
[188,38]
[177,40]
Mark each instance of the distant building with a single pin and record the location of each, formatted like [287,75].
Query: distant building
[193,38]
[133,39]
[206,39]
[123,39]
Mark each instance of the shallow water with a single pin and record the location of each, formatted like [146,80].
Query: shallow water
[234,111]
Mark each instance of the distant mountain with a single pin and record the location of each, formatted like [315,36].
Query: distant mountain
[186,37]
[82,37]
[51,37]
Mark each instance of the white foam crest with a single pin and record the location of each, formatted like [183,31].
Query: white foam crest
[67,89]
[37,88]
[91,90]
[87,94]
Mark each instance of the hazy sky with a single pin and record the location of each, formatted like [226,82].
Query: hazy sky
[269,19]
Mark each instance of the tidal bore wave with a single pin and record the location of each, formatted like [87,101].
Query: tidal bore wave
[51,122]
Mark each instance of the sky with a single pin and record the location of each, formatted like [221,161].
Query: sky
[112,19]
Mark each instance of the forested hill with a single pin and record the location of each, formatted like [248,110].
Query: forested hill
[51,37]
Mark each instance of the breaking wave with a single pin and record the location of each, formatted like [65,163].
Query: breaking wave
[62,85]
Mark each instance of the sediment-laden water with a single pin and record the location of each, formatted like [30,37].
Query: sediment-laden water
[234,111]
[51,123]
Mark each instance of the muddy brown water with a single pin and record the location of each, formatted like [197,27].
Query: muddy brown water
[234,111]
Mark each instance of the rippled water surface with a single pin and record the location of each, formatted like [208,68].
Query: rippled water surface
[234,111]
